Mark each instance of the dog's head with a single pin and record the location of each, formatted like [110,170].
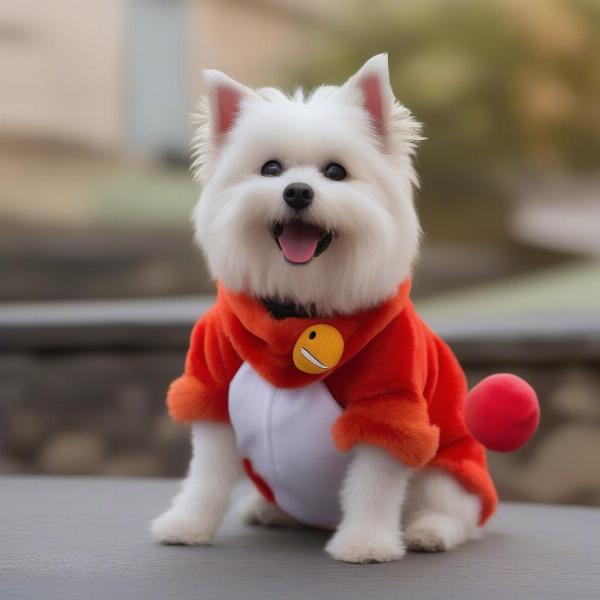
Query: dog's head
[309,198]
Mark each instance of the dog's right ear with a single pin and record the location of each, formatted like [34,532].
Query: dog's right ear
[225,96]
[216,114]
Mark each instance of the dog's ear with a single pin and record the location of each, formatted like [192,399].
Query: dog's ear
[225,96]
[392,122]
[371,84]
[216,114]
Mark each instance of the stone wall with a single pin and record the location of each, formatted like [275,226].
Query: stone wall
[82,392]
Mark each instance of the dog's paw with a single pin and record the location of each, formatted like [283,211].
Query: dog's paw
[176,527]
[434,532]
[255,510]
[364,547]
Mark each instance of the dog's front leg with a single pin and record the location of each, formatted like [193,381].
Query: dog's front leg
[197,510]
[371,499]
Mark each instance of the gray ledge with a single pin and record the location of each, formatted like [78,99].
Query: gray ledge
[166,323]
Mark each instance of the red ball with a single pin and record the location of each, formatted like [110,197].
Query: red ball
[502,412]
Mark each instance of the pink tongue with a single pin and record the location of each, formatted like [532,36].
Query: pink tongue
[298,242]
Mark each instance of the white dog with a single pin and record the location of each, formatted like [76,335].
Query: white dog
[342,157]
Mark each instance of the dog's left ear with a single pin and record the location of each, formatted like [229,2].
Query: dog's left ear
[391,121]
[371,85]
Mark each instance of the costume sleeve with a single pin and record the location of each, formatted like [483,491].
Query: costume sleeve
[201,393]
[397,423]
[382,391]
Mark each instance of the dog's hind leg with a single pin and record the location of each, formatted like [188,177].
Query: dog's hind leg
[254,509]
[439,514]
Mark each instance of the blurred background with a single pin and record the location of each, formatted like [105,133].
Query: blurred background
[99,279]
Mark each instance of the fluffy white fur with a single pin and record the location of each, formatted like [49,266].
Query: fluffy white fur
[361,126]
[439,513]
[253,509]
[197,511]
[371,211]
[371,498]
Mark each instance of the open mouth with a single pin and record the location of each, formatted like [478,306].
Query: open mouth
[300,242]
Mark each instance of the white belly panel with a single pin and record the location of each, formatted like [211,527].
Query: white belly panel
[286,435]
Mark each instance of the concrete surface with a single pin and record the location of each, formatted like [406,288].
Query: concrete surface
[87,539]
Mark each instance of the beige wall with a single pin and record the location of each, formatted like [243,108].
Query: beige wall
[62,61]
[254,41]
[60,70]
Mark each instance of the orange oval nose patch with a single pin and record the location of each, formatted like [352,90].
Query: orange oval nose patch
[318,349]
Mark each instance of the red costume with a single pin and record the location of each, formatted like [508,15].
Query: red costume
[399,385]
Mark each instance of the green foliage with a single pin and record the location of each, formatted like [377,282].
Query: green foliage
[502,86]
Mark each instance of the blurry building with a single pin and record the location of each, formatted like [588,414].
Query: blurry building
[95,197]
[125,74]
[95,120]
[61,67]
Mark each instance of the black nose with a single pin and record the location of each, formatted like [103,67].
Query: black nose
[298,195]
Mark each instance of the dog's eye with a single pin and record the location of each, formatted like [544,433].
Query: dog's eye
[335,172]
[271,168]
